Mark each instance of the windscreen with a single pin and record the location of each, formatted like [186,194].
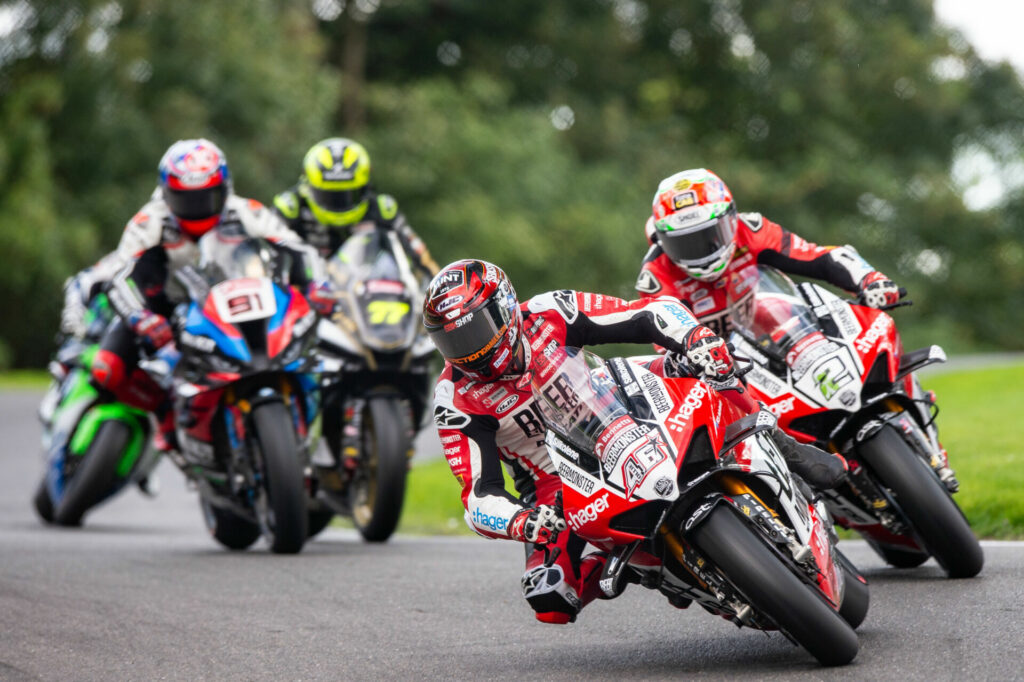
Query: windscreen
[229,256]
[776,317]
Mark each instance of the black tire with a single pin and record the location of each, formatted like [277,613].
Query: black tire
[899,558]
[318,521]
[925,502]
[95,475]
[377,491]
[287,513]
[42,502]
[856,595]
[228,528]
[772,588]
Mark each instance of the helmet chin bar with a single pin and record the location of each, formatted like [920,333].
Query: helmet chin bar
[713,270]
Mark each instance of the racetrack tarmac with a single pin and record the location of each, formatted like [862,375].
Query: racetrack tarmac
[141,592]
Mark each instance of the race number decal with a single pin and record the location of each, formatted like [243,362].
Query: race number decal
[241,300]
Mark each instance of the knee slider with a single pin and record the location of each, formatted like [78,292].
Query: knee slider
[546,590]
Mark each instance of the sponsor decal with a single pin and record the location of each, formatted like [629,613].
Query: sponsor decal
[678,221]
[529,421]
[845,320]
[683,184]
[575,479]
[450,418]
[551,349]
[807,352]
[588,513]
[448,303]
[614,440]
[830,376]
[507,404]
[684,318]
[876,331]
[642,461]
[553,441]
[765,382]
[694,399]
[684,199]
[848,398]
[495,523]
[704,305]
[453,450]
[450,279]
[490,392]
[656,392]
[698,513]
[387,286]
[664,486]
[565,299]
[464,320]
[203,343]
[782,407]
[448,440]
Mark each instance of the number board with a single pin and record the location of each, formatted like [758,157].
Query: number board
[241,300]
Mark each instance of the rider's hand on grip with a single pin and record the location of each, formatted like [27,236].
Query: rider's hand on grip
[878,291]
[539,525]
[321,298]
[152,327]
[708,354]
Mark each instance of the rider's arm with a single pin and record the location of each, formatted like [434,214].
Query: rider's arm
[472,453]
[261,222]
[772,245]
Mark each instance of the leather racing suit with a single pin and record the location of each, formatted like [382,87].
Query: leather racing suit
[484,425]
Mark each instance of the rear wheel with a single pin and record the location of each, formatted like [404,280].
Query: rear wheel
[95,475]
[377,490]
[228,528]
[926,503]
[772,589]
[899,558]
[42,502]
[318,521]
[284,514]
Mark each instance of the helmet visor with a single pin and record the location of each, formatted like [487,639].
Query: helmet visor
[697,245]
[471,340]
[337,201]
[196,204]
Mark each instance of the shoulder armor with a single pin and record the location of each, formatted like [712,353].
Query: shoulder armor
[287,203]
[387,206]
[563,301]
[753,220]
[647,283]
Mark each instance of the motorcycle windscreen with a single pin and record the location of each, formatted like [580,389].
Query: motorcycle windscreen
[775,317]
[579,398]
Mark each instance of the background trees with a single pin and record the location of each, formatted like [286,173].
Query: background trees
[530,133]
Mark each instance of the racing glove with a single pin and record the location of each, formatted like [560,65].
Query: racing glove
[877,290]
[151,327]
[320,295]
[539,525]
[708,355]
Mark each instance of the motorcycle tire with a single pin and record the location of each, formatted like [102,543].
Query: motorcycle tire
[95,475]
[856,595]
[899,558]
[928,506]
[377,491]
[773,589]
[318,521]
[42,502]
[228,528]
[287,516]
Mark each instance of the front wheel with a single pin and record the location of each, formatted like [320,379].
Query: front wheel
[42,502]
[283,513]
[378,487]
[95,476]
[772,588]
[926,503]
[228,528]
[856,596]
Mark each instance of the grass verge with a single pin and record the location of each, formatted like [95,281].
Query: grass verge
[24,378]
[979,425]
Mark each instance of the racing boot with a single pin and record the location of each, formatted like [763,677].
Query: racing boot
[550,595]
[822,470]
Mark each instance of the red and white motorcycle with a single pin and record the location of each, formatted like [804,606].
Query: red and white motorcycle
[835,374]
[693,499]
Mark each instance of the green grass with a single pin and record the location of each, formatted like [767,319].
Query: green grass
[980,425]
[24,378]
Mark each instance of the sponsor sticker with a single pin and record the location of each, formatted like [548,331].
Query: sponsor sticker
[575,479]
[589,513]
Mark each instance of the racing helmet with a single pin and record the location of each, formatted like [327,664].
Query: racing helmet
[336,181]
[695,222]
[195,184]
[472,315]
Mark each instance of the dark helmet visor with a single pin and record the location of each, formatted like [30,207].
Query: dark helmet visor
[700,243]
[196,204]
[337,201]
[470,340]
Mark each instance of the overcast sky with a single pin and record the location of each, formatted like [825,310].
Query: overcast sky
[993,27]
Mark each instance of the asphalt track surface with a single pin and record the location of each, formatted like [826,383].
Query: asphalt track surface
[141,592]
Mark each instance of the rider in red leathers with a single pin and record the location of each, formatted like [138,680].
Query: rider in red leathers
[698,241]
[486,415]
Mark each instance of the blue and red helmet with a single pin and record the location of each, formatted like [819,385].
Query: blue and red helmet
[195,183]
[472,315]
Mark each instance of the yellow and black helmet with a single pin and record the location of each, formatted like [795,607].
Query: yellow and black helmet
[335,181]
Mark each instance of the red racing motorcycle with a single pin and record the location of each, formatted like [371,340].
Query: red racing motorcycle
[835,374]
[693,499]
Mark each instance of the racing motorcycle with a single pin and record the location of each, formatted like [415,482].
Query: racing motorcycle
[835,374]
[693,499]
[94,443]
[374,382]
[243,396]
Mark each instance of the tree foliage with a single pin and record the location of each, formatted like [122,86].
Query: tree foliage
[531,133]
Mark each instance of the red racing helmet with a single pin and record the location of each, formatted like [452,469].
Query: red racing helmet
[472,315]
[195,183]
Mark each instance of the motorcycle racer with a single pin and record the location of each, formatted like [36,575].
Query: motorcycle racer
[194,196]
[698,241]
[334,197]
[486,415]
